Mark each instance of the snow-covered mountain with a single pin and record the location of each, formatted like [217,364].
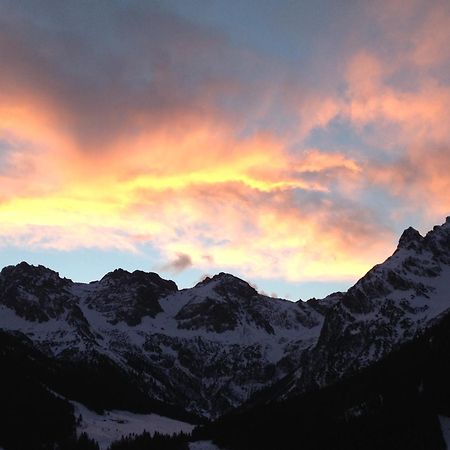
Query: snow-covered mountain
[393,303]
[208,349]
[205,349]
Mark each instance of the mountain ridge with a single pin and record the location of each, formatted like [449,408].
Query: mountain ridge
[187,343]
[210,348]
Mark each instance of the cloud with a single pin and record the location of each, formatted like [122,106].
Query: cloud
[128,128]
[107,74]
[179,263]
[398,100]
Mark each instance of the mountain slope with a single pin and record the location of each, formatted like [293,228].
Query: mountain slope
[393,404]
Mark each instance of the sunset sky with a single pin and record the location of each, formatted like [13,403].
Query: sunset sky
[287,142]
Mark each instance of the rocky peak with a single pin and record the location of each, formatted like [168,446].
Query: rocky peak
[227,277]
[34,292]
[227,284]
[438,241]
[116,275]
[138,277]
[129,296]
[226,303]
[222,302]
[26,273]
[410,238]
[221,277]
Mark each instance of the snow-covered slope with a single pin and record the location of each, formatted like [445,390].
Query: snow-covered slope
[445,426]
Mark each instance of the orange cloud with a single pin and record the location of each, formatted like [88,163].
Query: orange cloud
[203,193]
[407,119]
[417,114]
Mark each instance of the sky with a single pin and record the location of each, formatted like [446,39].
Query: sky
[286,142]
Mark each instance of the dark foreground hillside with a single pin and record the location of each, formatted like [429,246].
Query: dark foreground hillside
[31,417]
[34,417]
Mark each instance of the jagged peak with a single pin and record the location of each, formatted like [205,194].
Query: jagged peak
[30,270]
[438,240]
[410,238]
[230,283]
[222,277]
[438,228]
[116,274]
[446,225]
[123,276]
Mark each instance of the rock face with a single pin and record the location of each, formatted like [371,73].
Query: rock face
[208,349]
[35,293]
[129,297]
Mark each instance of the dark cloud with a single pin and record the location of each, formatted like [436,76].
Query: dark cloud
[110,69]
[181,262]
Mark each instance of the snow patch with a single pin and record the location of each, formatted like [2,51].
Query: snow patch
[203,445]
[112,425]
[445,427]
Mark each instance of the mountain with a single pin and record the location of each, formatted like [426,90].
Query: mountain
[203,350]
[393,303]
[135,341]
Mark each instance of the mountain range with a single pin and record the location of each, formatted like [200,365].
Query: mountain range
[136,342]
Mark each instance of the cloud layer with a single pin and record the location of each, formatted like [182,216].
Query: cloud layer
[125,126]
